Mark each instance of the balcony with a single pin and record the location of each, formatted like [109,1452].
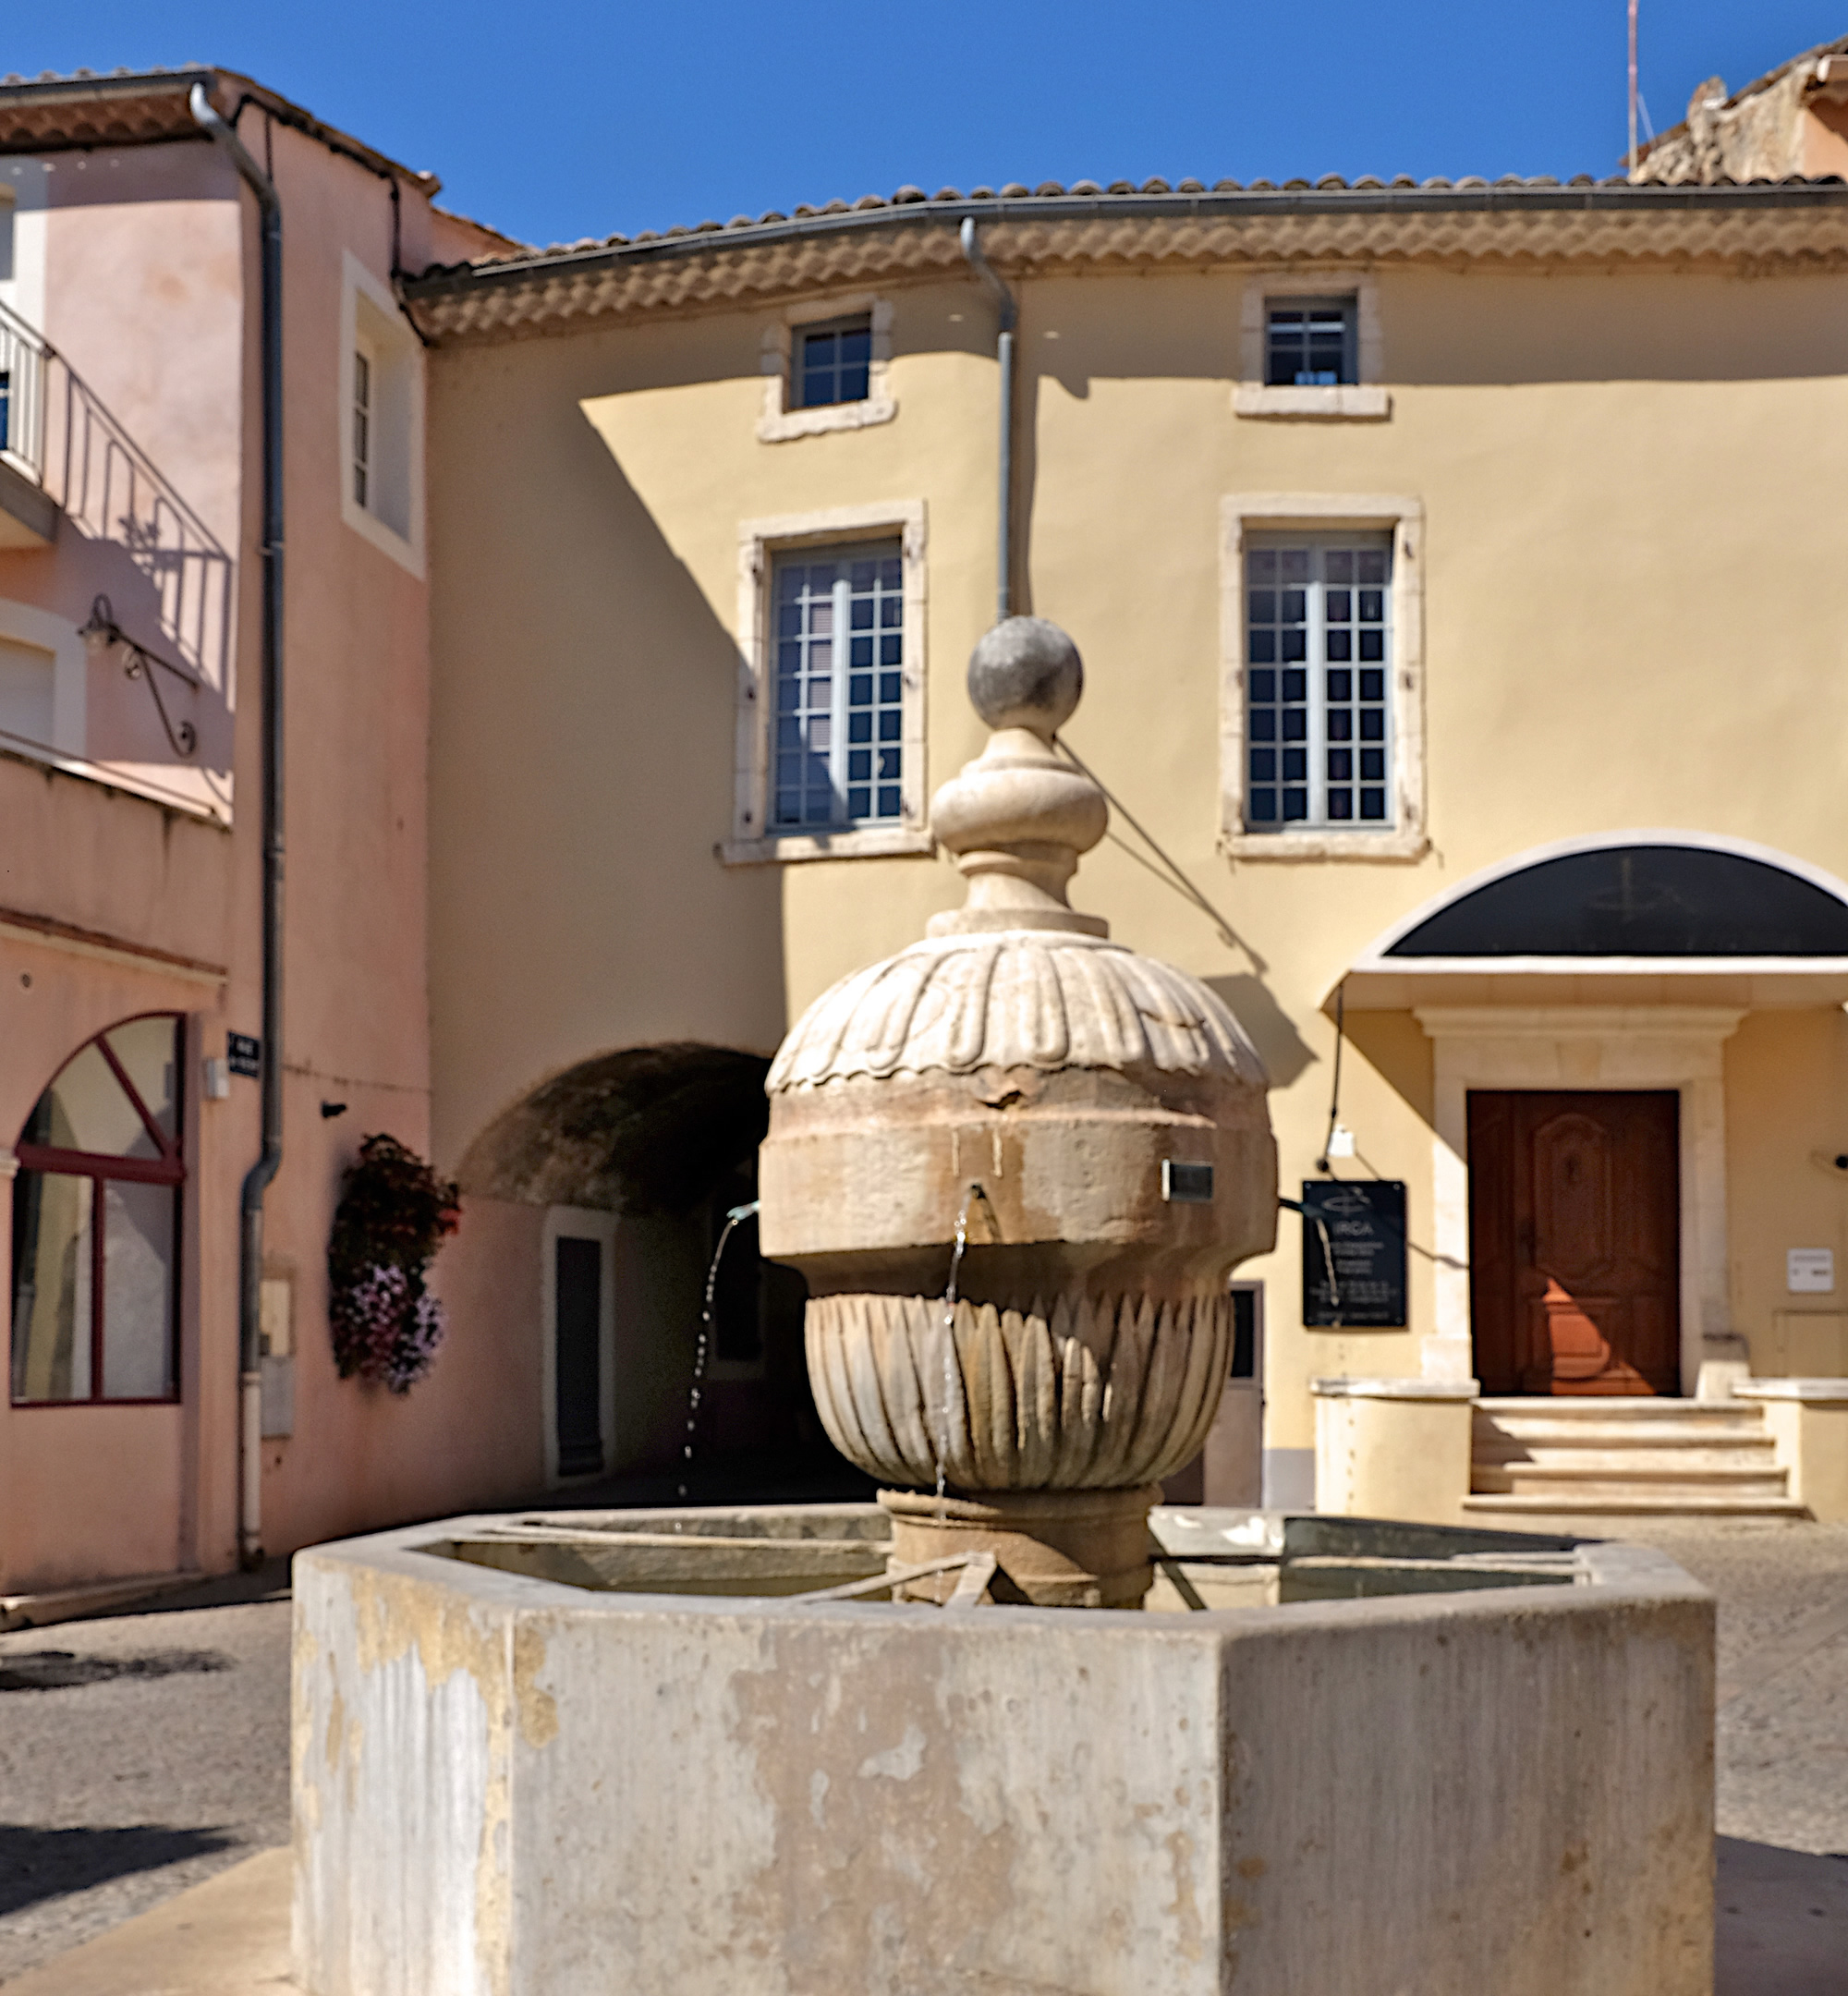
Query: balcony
[27,513]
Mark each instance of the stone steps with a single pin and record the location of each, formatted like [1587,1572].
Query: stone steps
[1559,1457]
[1568,1511]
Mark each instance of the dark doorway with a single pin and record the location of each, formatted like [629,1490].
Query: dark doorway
[578,1288]
[1574,1234]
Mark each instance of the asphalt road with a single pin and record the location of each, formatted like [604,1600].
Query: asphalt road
[139,1752]
[143,1751]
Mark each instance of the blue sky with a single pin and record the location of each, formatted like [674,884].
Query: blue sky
[565,120]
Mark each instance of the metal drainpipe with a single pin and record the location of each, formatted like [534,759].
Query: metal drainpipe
[1003,355]
[256,1179]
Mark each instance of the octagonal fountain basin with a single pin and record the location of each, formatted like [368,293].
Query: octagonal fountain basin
[705,1753]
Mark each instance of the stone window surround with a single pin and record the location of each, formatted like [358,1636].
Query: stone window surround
[1363,401]
[781,424]
[1403,515]
[389,332]
[1589,1047]
[759,541]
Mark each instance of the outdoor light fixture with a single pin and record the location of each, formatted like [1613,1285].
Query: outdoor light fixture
[103,631]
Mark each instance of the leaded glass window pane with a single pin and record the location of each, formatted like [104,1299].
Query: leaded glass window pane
[1317,682]
[839,623]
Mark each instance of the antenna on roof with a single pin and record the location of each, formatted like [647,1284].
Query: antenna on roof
[1633,88]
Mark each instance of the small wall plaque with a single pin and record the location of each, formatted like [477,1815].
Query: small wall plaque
[244,1054]
[1810,1270]
[1187,1185]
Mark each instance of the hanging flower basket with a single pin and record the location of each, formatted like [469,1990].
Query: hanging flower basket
[393,1214]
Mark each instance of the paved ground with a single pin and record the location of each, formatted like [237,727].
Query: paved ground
[1780,1909]
[141,1752]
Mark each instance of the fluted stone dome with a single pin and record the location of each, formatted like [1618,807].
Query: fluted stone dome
[1016,1163]
[1013,998]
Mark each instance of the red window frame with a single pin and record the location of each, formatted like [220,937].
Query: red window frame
[168,1169]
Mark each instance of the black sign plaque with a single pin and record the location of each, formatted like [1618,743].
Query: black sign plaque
[1354,1252]
[244,1054]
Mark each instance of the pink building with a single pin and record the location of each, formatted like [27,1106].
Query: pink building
[132,734]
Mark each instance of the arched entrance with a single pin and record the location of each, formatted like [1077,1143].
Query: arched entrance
[1580,1000]
[637,1158]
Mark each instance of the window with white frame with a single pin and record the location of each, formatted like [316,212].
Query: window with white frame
[381,415]
[362,425]
[1318,682]
[1310,343]
[837,753]
[827,367]
[832,362]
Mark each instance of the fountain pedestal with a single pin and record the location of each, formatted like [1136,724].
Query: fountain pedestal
[1090,1122]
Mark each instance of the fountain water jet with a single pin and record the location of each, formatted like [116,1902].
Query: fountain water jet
[702,1351]
[1118,1114]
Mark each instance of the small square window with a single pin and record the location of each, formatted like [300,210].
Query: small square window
[1310,343]
[832,362]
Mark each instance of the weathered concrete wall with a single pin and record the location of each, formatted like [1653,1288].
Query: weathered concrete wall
[506,1787]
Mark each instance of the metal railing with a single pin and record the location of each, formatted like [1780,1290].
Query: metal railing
[23,357]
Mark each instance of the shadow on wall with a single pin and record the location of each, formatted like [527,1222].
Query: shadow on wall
[170,582]
[665,1139]
[1279,1044]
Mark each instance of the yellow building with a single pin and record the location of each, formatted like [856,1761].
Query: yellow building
[1453,566]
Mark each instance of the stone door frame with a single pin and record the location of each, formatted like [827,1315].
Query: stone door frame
[1582,1047]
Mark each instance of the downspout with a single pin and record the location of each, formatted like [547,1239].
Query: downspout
[1003,355]
[256,1179]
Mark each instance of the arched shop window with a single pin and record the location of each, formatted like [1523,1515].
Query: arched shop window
[96,1210]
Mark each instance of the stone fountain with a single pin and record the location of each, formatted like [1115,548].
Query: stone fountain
[803,1750]
[1090,1121]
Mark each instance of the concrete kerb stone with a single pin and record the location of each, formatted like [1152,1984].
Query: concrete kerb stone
[513,1782]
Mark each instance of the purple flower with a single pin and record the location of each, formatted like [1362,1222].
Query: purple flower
[386,1327]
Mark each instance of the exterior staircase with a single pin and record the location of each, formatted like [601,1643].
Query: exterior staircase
[1560,1456]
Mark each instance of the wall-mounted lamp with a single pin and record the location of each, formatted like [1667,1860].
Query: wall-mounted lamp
[103,631]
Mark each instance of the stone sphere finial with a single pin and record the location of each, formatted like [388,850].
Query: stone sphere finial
[1025,673]
[1019,815]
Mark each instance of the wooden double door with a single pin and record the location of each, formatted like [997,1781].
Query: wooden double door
[1574,1232]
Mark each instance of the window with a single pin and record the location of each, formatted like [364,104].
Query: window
[829,760]
[379,415]
[362,425]
[96,1212]
[827,367]
[833,362]
[1317,616]
[1311,360]
[839,752]
[1309,342]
